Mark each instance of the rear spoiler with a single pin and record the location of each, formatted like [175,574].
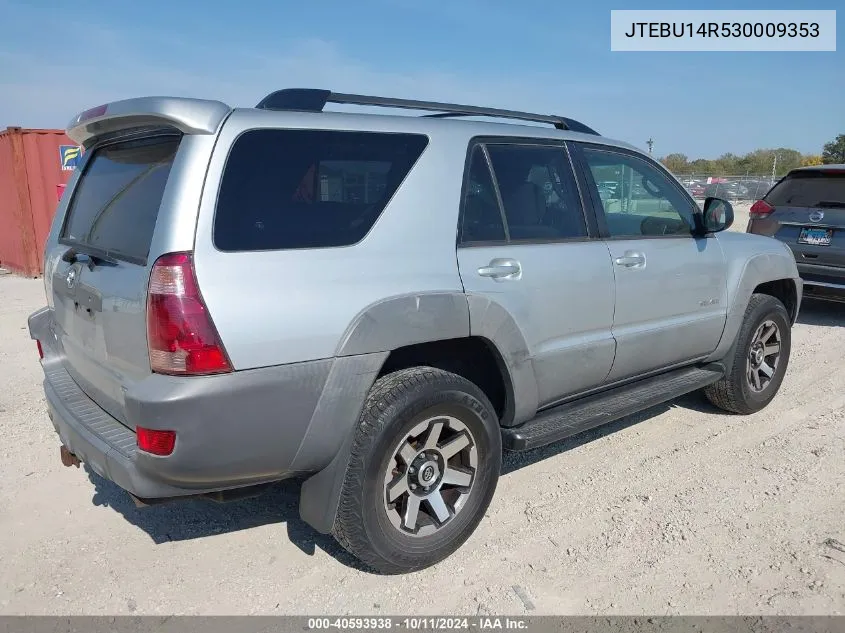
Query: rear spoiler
[190,116]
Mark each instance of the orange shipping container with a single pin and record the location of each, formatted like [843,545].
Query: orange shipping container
[33,163]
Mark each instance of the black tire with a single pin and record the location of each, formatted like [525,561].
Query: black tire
[396,404]
[734,392]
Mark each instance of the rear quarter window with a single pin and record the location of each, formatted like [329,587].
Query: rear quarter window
[809,189]
[293,189]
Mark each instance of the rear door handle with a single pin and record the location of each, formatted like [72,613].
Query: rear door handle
[501,268]
[631,260]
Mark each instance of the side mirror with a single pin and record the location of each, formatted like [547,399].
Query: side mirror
[718,215]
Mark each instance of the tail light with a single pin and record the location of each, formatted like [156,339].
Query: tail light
[40,349]
[760,209]
[154,441]
[181,336]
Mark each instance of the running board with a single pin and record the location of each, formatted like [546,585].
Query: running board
[587,413]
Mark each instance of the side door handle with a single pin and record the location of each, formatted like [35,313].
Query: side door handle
[631,259]
[501,268]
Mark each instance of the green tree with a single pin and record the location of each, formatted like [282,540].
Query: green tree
[787,159]
[834,152]
[727,164]
[701,166]
[676,163]
[759,161]
[756,163]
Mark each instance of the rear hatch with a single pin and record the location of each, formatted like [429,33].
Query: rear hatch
[100,280]
[806,210]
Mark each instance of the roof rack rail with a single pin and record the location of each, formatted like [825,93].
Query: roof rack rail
[314,100]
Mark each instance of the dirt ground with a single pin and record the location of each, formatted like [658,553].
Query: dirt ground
[679,509]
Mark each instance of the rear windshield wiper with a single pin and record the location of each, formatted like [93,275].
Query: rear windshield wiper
[71,256]
[830,203]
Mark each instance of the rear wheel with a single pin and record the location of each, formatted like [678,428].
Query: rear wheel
[424,466]
[760,358]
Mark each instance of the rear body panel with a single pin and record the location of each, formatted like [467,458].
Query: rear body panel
[305,300]
[233,430]
[100,309]
[100,325]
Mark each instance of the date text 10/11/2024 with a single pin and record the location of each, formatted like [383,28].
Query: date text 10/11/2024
[417,623]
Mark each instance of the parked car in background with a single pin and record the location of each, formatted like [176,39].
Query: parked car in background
[806,210]
[608,188]
[719,190]
[756,189]
[697,190]
[726,191]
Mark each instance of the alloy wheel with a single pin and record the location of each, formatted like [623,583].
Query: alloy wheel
[430,476]
[763,356]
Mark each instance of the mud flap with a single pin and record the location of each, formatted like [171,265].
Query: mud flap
[337,414]
[320,494]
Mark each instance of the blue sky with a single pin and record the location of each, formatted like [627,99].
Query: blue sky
[57,58]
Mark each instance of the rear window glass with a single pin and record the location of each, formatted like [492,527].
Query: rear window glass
[809,189]
[115,205]
[289,189]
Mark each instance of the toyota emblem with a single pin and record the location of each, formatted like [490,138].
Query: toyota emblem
[817,216]
[71,278]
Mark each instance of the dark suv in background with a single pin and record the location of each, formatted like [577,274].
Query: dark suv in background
[806,210]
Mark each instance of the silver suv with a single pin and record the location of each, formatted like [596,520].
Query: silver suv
[381,305]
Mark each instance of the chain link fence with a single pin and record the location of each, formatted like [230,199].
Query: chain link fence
[734,188]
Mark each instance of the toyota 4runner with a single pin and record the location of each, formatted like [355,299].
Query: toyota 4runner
[381,304]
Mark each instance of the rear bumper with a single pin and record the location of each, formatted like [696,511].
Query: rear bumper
[813,274]
[823,282]
[97,439]
[232,430]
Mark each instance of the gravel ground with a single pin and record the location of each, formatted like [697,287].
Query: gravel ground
[679,509]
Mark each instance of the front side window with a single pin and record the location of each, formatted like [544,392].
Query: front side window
[290,189]
[637,198]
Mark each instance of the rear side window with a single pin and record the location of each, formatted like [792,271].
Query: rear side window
[812,188]
[482,217]
[538,192]
[534,199]
[115,205]
[290,189]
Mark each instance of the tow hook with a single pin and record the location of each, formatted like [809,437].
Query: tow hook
[68,458]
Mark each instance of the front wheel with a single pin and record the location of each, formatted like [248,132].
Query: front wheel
[761,356]
[424,466]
